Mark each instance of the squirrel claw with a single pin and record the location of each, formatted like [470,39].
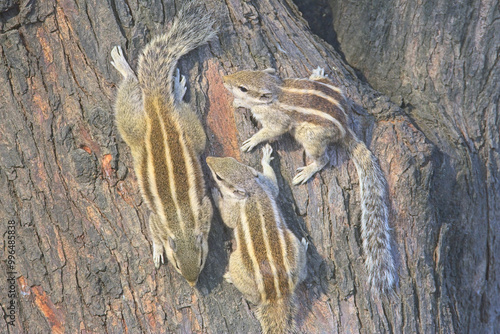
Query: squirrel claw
[157,255]
[305,243]
[248,145]
[157,259]
[303,176]
[227,277]
[120,63]
[306,172]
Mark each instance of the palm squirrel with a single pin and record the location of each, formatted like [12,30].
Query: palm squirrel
[269,261]
[166,138]
[314,112]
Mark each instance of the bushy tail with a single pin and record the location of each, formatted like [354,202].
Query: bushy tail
[374,220]
[277,317]
[192,27]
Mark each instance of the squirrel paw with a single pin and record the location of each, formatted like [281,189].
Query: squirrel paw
[120,63]
[179,86]
[227,277]
[305,243]
[157,255]
[249,144]
[266,154]
[317,74]
[305,173]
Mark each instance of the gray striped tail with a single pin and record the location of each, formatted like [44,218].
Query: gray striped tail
[192,27]
[375,231]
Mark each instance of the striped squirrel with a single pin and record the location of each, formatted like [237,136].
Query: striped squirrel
[269,261]
[166,138]
[314,112]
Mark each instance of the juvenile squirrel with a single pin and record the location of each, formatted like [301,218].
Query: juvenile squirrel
[166,138]
[313,111]
[269,260]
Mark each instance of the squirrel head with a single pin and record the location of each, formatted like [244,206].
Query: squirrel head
[234,179]
[188,254]
[187,249]
[252,88]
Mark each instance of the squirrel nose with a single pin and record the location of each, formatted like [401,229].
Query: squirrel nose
[192,283]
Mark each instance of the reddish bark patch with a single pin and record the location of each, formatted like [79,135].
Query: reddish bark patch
[220,116]
[54,316]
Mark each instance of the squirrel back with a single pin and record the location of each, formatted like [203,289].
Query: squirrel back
[166,138]
[269,260]
[191,28]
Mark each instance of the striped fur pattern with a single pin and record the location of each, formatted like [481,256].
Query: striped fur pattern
[166,138]
[375,231]
[269,260]
[314,112]
[191,28]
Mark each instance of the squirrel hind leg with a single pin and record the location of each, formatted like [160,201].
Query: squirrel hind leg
[242,278]
[157,242]
[315,147]
[120,63]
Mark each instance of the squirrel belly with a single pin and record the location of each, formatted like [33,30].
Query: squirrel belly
[166,138]
[314,112]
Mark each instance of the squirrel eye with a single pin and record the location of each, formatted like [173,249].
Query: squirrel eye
[243,89]
[218,177]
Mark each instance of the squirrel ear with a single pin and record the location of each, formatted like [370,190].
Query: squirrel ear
[266,96]
[239,193]
[269,70]
[171,242]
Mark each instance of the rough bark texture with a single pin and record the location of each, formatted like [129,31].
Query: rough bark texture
[83,254]
[439,61]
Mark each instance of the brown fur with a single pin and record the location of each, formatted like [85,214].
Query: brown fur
[166,138]
[269,261]
[313,111]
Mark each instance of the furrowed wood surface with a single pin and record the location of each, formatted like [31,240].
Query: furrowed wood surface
[83,252]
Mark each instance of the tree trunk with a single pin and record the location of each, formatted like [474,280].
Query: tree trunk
[82,254]
[439,60]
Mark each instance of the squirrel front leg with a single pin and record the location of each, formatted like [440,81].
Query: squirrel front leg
[270,130]
[229,213]
[268,172]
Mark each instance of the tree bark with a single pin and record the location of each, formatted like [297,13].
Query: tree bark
[83,254]
[439,61]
